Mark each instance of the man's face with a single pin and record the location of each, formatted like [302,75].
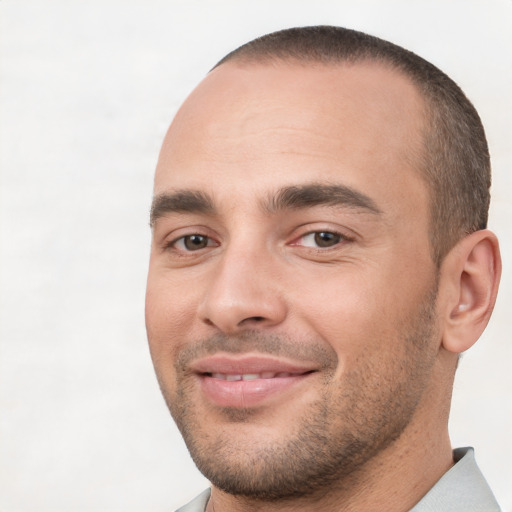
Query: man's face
[291,294]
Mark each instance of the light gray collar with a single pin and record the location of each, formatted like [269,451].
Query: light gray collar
[198,504]
[461,489]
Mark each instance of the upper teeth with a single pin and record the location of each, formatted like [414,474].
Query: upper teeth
[249,376]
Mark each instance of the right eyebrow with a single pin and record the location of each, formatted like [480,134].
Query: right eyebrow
[182,201]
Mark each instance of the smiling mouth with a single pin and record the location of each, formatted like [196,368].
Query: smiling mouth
[249,389]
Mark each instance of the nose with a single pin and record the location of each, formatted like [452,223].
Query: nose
[243,292]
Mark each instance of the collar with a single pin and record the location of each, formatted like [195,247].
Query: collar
[461,489]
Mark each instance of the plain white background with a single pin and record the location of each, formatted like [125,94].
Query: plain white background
[87,92]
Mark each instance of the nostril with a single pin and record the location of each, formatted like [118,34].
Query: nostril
[252,319]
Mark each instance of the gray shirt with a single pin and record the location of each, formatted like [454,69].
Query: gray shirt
[461,489]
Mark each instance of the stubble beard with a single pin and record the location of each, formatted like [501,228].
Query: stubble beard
[350,423]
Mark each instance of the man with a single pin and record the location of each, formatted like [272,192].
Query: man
[320,259]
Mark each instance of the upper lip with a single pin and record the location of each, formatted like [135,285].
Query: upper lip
[247,364]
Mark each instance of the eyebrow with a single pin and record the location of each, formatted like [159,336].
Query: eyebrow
[317,194]
[292,197]
[182,201]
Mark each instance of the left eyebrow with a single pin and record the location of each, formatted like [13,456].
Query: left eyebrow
[316,194]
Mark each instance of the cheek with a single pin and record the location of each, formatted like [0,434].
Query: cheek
[169,311]
[167,318]
[340,303]
[360,315]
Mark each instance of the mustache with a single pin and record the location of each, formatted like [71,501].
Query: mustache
[321,354]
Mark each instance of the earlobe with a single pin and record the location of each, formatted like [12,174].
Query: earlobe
[472,270]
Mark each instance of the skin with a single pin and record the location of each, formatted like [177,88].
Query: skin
[371,314]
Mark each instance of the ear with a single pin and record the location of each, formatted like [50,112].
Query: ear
[470,275]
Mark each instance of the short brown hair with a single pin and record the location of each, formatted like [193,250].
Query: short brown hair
[455,164]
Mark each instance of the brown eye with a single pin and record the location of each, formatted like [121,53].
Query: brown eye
[195,242]
[326,239]
[321,239]
[187,244]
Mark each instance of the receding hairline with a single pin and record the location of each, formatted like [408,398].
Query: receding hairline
[309,62]
[355,48]
[306,60]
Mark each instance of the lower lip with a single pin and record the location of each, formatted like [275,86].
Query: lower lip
[246,393]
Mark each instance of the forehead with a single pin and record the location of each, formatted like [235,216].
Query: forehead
[283,122]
